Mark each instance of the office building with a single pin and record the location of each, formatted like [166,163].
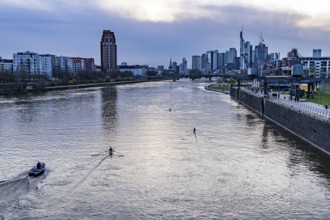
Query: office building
[108,51]
[6,65]
[196,62]
[317,53]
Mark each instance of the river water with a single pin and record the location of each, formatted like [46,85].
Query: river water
[236,165]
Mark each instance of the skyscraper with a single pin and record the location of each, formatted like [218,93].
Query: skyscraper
[317,53]
[108,51]
[242,51]
[196,62]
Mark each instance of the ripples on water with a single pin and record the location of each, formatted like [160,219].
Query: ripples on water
[236,166]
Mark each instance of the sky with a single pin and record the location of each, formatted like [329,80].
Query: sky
[152,32]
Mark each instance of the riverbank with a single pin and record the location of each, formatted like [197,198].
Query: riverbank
[7,90]
[308,126]
[218,88]
[78,86]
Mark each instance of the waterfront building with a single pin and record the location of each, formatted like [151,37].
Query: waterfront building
[64,64]
[136,70]
[78,65]
[196,63]
[82,64]
[108,51]
[27,62]
[47,62]
[49,65]
[89,64]
[6,65]
[316,66]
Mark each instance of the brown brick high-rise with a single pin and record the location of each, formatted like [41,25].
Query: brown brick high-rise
[108,51]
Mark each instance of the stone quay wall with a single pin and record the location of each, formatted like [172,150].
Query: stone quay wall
[313,130]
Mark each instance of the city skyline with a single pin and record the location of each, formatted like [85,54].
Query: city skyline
[154,32]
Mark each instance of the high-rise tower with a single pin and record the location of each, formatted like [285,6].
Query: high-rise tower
[242,51]
[108,51]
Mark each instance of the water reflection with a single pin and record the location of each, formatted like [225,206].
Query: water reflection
[109,108]
[277,141]
[236,166]
[300,153]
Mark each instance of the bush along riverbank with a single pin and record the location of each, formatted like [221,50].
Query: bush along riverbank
[36,87]
[219,87]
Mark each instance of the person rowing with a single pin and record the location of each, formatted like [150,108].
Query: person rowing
[110,151]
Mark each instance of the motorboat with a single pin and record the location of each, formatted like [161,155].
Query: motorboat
[37,170]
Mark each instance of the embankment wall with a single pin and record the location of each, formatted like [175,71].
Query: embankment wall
[313,130]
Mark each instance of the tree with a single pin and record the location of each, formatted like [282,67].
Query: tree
[6,77]
[151,73]
[231,80]
[194,74]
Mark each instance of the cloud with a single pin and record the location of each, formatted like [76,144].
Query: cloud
[153,32]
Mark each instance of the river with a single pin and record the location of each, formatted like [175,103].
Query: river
[236,166]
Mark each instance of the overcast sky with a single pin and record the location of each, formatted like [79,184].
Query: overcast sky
[153,31]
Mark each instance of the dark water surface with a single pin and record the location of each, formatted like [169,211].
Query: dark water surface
[236,166]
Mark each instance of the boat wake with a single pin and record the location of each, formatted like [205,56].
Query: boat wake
[11,190]
[89,173]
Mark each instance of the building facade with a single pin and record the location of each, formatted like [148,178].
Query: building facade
[316,66]
[27,62]
[196,62]
[108,51]
[6,65]
[317,53]
[136,70]
[47,64]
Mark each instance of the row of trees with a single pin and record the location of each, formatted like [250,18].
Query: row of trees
[20,80]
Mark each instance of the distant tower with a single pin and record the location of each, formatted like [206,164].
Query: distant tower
[242,51]
[170,67]
[108,51]
[317,53]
